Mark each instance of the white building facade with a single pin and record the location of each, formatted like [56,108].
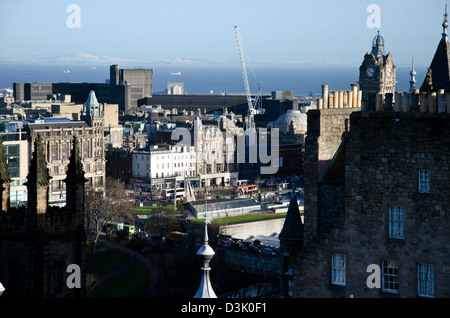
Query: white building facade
[162,166]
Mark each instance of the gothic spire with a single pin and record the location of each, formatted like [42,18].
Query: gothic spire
[75,171]
[38,174]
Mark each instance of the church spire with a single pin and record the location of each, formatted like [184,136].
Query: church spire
[205,290]
[445,26]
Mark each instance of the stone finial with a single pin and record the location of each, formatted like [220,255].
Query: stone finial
[75,171]
[205,289]
[38,174]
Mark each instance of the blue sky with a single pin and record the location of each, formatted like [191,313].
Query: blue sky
[200,32]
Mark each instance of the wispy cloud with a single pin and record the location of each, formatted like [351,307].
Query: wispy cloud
[90,59]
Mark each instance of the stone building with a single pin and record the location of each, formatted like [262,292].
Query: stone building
[39,242]
[376,200]
[57,134]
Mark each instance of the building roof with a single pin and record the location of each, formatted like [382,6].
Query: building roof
[292,116]
[92,100]
[378,46]
[196,207]
[293,225]
[438,75]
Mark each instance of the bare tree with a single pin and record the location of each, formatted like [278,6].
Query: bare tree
[107,206]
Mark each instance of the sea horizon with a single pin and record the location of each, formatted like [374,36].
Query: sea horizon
[215,80]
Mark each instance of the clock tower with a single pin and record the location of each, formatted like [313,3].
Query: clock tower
[377,72]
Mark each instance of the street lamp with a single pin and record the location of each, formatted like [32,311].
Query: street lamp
[2,289]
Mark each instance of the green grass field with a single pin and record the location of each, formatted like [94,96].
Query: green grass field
[132,282]
[242,218]
[154,209]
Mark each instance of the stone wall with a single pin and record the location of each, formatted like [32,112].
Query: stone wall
[245,230]
[384,153]
[326,128]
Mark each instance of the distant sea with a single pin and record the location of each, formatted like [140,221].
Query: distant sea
[210,80]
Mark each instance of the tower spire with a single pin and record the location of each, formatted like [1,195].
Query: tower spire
[412,82]
[205,290]
[445,26]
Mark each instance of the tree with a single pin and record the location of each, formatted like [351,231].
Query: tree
[103,207]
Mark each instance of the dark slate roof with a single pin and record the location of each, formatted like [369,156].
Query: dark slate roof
[440,69]
[293,225]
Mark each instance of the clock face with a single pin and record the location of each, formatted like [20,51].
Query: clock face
[370,71]
[388,72]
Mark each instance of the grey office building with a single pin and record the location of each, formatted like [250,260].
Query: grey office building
[125,88]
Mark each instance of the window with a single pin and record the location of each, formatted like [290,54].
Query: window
[86,149]
[397,222]
[424,181]
[65,150]
[390,276]
[12,154]
[425,280]
[54,151]
[338,269]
